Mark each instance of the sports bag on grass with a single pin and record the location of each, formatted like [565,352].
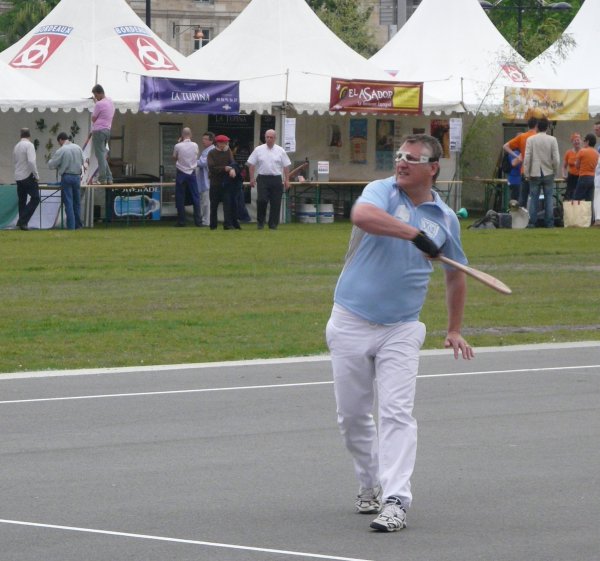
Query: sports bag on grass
[577,214]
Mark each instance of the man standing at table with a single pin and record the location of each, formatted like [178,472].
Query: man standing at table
[102,117]
[186,155]
[68,160]
[270,162]
[540,166]
[518,143]
[26,176]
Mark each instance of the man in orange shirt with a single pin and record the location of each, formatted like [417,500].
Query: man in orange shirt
[587,158]
[518,143]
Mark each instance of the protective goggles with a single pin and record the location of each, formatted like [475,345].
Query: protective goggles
[410,159]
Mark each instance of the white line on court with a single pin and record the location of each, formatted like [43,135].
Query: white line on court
[271,361]
[297,384]
[177,540]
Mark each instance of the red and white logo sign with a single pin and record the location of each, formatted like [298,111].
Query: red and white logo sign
[515,73]
[41,47]
[145,48]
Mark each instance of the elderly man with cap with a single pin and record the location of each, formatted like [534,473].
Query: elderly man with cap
[219,163]
[186,155]
[270,162]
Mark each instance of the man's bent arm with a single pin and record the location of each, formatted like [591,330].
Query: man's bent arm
[373,220]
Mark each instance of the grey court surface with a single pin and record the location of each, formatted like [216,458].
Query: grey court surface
[243,462]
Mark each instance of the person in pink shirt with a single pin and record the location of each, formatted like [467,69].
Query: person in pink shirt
[102,117]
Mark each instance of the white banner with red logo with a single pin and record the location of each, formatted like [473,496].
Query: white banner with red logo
[41,46]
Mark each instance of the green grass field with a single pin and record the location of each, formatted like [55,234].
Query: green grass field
[152,294]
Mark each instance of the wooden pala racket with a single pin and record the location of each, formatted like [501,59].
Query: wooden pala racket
[482,277]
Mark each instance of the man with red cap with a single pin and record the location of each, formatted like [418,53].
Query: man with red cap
[219,163]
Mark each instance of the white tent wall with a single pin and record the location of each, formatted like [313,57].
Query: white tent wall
[12,122]
[462,54]
[574,66]
[84,42]
[313,137]
[141,137]
[314,142]
[294,62]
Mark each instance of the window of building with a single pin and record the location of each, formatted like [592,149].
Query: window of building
[206,37]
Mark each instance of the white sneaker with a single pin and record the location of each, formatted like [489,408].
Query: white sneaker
[392,517]
[368,500]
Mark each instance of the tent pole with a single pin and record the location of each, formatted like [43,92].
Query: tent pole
[88,207]
[281,135]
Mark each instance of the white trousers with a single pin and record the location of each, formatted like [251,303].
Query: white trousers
[371,360]
[205,207]
[597,204]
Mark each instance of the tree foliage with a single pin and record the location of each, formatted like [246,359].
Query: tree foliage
[349,20]
[540,27]
[22,18]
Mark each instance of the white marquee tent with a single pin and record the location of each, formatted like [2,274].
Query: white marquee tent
[457,52]
[283,53]
[19,91]
[84,42]
[575,67]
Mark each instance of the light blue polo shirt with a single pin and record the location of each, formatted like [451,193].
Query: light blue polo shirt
[385,279]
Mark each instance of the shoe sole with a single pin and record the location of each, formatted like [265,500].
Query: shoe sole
[370,511]
[382,528]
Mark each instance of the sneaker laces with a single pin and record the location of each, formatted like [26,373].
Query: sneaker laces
[394,500]
[369,493]
[392,510]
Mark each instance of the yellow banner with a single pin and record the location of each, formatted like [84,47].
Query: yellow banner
[556,105]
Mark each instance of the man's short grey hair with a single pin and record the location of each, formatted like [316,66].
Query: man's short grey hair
[435,148]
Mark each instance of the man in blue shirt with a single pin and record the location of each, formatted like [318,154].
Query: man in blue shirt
[208,144]
[68,160]
[374,333]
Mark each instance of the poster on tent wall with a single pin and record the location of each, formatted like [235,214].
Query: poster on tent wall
[405,98]
[384,147]
[557,105]
[358,141]
[189,96]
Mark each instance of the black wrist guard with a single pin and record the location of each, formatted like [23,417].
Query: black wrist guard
[426,245]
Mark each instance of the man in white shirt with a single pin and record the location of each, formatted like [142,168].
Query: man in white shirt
[267,163]
[26,176]
[186,154]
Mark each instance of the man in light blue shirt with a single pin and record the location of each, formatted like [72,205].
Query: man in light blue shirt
[68,160]
[208,144]
[374,333]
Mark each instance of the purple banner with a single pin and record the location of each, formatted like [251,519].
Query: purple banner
[189,96]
